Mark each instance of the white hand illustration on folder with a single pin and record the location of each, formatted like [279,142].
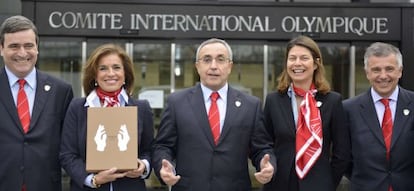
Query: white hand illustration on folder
[100,138]
[123,138]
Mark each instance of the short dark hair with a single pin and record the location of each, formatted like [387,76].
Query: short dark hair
[17,23]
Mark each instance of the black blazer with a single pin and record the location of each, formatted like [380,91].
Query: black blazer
[370,169]
[185,139]
[73,146]
[34,156]
[327,171]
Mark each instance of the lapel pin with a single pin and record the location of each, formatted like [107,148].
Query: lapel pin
[318,104]
[406,111]
[47,87]
[237,103]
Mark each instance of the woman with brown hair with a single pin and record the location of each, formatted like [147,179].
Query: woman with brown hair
[305,119]
[108,79]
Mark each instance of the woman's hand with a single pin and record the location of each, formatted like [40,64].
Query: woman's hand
[109,175]
[137,172]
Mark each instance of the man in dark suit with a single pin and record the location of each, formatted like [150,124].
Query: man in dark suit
[382,155]
[186,156]
[30,156]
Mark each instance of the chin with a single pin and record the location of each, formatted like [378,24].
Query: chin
[110,89]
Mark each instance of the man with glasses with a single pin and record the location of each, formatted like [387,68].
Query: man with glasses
[208,131]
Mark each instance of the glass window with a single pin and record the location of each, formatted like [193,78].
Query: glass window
[152,65]
[152,62]
[336,61]
[62,58]
[247,72]
[276,56]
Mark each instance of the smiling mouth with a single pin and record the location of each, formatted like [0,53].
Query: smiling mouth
[23,60]
[298,71]
[384,83]
[111,81]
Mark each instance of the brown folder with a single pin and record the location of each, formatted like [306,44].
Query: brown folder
[112,138]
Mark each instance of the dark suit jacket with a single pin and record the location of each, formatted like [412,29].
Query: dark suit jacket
[73,147]
[185,138]
[34,156]
[371,170]
[328,170]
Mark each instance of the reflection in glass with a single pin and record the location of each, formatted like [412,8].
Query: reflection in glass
[361,82]
[62,58]
[247,72]
[336,62]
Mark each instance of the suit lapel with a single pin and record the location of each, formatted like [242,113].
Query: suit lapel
[286,108]
[402,112]
[43,91]
[6,98]
[369,115]
[196,100]
[232,110]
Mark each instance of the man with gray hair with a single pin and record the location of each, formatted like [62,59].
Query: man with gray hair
[32,108]
[381,125]
[208,131]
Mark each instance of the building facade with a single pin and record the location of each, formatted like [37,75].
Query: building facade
[162,37]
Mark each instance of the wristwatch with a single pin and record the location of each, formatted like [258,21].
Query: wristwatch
[93,181]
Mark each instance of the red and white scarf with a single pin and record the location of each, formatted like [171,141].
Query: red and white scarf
[109,99]
[308,133]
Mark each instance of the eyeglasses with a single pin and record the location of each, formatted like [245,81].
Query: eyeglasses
[209,60]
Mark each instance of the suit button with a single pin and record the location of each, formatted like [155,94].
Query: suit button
[21,168]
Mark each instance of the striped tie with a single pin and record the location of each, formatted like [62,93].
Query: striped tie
[387,128]
[214,117]
[23,106]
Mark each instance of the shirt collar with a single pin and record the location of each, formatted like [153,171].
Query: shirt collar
[30,78]
[376,97]
[92,100]
[207,92]
[290,92]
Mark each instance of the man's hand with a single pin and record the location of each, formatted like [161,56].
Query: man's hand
[167,173]
[266,170]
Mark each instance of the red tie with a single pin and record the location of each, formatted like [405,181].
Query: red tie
[23,106]
[387,128]
[214,117]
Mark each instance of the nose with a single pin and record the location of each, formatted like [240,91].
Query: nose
[296,61]
[383,74]
[21,51]
[213,64]
[111,71]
